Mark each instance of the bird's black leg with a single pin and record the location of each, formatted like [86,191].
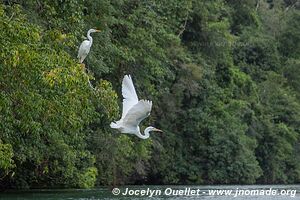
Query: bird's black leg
[87,71]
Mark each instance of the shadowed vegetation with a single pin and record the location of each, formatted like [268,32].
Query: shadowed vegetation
[223,76]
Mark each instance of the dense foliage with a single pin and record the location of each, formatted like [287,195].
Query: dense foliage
[224,76]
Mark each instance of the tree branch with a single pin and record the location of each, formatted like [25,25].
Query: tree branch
[184,25]
[291,6]
[257,5]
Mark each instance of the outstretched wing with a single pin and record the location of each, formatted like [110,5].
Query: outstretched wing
[129,95]
[137,113]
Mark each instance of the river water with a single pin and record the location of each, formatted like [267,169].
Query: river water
[225,192]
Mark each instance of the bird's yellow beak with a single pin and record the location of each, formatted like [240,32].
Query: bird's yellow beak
[98,30]
[158,130]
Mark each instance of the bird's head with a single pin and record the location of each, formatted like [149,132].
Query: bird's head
[94,30]
[151,128]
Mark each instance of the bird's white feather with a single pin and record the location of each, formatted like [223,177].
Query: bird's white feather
[129,95]
[136,114]
[134,111]
[84,50]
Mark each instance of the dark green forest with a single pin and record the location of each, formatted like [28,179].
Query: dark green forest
[223,75]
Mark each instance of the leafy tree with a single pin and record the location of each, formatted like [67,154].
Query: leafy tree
[223,76]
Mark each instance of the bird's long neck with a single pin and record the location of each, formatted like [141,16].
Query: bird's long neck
[146,133]
[89,36]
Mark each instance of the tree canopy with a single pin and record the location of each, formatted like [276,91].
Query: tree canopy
[223,76]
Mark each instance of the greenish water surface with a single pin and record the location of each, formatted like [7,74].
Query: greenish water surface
[237,192]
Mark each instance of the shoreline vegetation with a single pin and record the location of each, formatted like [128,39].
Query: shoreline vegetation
[223,75]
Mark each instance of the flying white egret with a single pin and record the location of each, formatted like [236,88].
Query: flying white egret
[85,46]
[134,111]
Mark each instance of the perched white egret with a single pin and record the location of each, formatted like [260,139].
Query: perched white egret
[85,46]
[134,111]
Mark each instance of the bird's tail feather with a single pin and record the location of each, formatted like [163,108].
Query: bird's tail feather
[114,125]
